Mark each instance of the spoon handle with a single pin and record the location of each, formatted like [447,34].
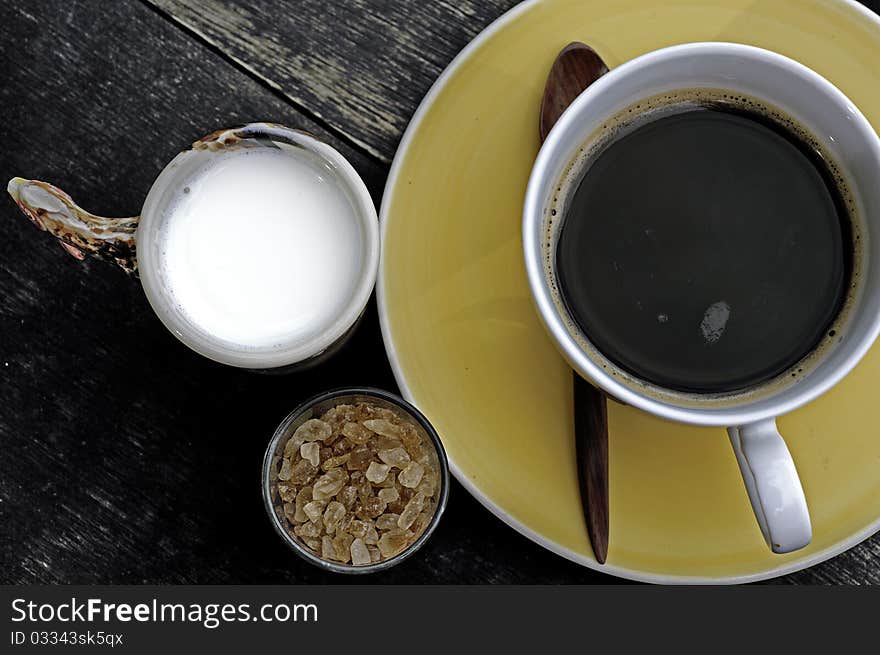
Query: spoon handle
[591,449]
[576,67]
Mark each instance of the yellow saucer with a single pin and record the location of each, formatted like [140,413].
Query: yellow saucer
[467,347]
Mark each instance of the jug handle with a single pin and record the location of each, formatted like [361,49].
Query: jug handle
[79,232]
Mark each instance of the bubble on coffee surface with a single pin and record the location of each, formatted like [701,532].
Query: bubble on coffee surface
[372,492]
[261,247]
[714,321]
[646,111]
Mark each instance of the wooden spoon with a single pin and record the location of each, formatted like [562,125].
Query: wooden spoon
[576,67]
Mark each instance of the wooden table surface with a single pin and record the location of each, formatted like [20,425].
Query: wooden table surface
[125,457]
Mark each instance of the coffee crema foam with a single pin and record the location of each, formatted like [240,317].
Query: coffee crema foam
[261,247]
[651,109]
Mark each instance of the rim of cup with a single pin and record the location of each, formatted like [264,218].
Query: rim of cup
[738,411]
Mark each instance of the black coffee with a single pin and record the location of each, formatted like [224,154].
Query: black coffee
[706,251]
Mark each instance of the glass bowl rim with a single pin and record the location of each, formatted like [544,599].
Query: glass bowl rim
[388,397]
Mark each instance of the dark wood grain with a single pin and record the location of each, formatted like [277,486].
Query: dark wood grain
[362,66]
[125,457]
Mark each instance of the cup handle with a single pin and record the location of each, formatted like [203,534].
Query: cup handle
[773,485]
[80,232]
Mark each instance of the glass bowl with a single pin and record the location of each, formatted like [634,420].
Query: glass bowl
[314,408]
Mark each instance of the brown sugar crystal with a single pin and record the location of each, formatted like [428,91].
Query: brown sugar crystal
[357,485]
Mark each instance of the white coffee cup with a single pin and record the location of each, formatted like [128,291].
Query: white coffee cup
[750,416]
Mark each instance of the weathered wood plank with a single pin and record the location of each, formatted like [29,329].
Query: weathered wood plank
[362,66]
[857,566]
[125,457]
[112,432]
